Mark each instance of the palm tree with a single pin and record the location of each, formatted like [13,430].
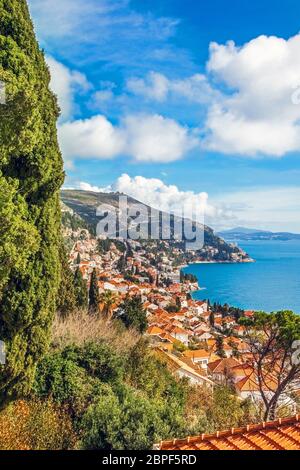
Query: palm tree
[108,299]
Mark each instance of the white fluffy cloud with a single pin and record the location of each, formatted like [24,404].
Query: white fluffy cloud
[90,138]
[242,208]
[168,198]
[155,86]
[150,138]
[158,87]
[157,194]
[258,114]
[251,95]
[154,138]
[65,83]
[95,189]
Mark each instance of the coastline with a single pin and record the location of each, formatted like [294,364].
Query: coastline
[271,283]
[248,260]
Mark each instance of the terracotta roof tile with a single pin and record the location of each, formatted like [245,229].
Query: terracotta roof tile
[283,434]
[197,354]
[154,330]
[223,365]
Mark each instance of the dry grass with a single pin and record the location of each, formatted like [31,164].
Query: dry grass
[80,328]
[36,425]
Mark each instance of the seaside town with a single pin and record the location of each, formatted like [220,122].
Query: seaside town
[149,229]
[198,341]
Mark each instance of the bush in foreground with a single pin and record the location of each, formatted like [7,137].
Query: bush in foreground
[36,425]
[119,401]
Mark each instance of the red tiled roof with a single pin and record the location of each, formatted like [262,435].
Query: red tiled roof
[222,365]
[178,330]
[249,313]
[197,354]
[250,383]
[154,330]
[283,434]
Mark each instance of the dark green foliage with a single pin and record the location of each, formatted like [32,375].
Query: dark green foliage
[101,423]
[73,221]
[226,310]
[31,175]
[210,411]
[103,246]
[129,251]
[132,314]
[127,421]
[184,277]
[94,293]
[220,346]
[120,246]
[66,299]
[286,324]
[108,300]
[226,411]
[116,402]
[149,374]
[121,265]
[129,277]
[81,290]
[131,400]
[174,307]
[101,362]
[60,376]
[75,375]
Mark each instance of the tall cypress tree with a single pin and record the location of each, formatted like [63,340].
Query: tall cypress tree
[81,290]
[94,293]
[66,299]
[31,174]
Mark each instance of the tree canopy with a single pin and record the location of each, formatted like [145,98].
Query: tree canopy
[94,297]
[133,314]
[31,174]
[273,341]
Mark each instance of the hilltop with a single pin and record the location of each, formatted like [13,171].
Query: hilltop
[83,205]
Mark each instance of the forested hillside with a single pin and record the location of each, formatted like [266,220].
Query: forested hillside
[85,203]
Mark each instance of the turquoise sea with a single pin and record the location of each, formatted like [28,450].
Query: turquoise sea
[271,283]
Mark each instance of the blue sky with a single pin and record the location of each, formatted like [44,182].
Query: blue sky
[176,100]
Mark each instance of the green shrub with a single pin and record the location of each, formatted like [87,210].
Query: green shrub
[127,420]
[115,403]
[76,375]
[133,314]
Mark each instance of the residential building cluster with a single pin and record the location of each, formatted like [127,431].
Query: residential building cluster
[206,347]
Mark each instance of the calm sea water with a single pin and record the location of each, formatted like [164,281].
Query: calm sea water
[271,283]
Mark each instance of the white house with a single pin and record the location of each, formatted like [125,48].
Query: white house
[180,334]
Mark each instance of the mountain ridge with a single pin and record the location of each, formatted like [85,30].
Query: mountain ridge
[244,234]
[84,204]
